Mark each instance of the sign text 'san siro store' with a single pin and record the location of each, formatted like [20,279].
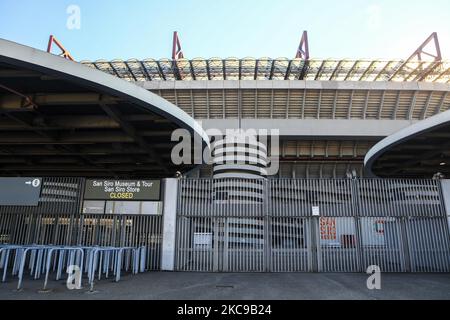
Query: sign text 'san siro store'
[121,190]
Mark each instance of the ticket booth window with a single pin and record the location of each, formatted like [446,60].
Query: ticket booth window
[123,207]
[93,206]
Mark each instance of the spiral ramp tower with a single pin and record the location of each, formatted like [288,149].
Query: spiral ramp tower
[243,159]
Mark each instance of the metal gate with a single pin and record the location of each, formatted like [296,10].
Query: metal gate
[306,225]
[57,221]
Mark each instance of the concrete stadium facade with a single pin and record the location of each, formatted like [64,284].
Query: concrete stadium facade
[80,131]
[326,127]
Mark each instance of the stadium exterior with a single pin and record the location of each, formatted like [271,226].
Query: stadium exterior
[324,210]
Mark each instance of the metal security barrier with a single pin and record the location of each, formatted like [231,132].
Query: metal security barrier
[93,262]
[8,252]
[110,259]
[57,221]
[73,255]
[307,225]
[123,231]
[85,230]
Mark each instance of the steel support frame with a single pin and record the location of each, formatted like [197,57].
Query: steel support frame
[177,51]
[303,48]
[418,56]
[64,53]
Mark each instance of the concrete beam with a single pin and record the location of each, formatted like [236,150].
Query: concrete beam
[13,102]
[313,128]
[21,138]
[293,84]
[62,122]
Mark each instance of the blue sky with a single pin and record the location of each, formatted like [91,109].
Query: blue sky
[230,28]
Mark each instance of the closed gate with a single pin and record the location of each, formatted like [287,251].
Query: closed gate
[292,225]
[57,221]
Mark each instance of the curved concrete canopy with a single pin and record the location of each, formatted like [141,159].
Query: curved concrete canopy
[419,150]
[45,81]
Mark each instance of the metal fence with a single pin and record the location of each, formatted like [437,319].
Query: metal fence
[57,220]
[85,230]
[307,225]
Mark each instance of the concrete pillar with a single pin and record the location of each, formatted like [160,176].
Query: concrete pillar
[446,192]
[169,224]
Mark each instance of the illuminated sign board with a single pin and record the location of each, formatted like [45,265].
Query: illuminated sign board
[20,191]
[122,190]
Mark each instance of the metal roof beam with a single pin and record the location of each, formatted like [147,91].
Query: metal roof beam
[161,71]
[272,69]
[336,70]
[386,66]
[240,70]
[145,71]
[442,74]
[366,72]
[427,71]
[389,71]
[304,70]
[319,71]
[130,71]
[288,70]
[114,69]
[129,129]
[350,71]
[176,70]
[255,76]
[208,71]
[224,70]
[417,55]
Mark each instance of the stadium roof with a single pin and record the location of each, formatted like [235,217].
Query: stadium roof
[420,150]
[60,118]
[275,69]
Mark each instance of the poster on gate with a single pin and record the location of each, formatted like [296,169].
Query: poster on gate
[327,229]
[377,231]
[337,232]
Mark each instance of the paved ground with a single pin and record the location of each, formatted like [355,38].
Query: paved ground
[252,286]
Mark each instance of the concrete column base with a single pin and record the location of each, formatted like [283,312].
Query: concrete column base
[169,224]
